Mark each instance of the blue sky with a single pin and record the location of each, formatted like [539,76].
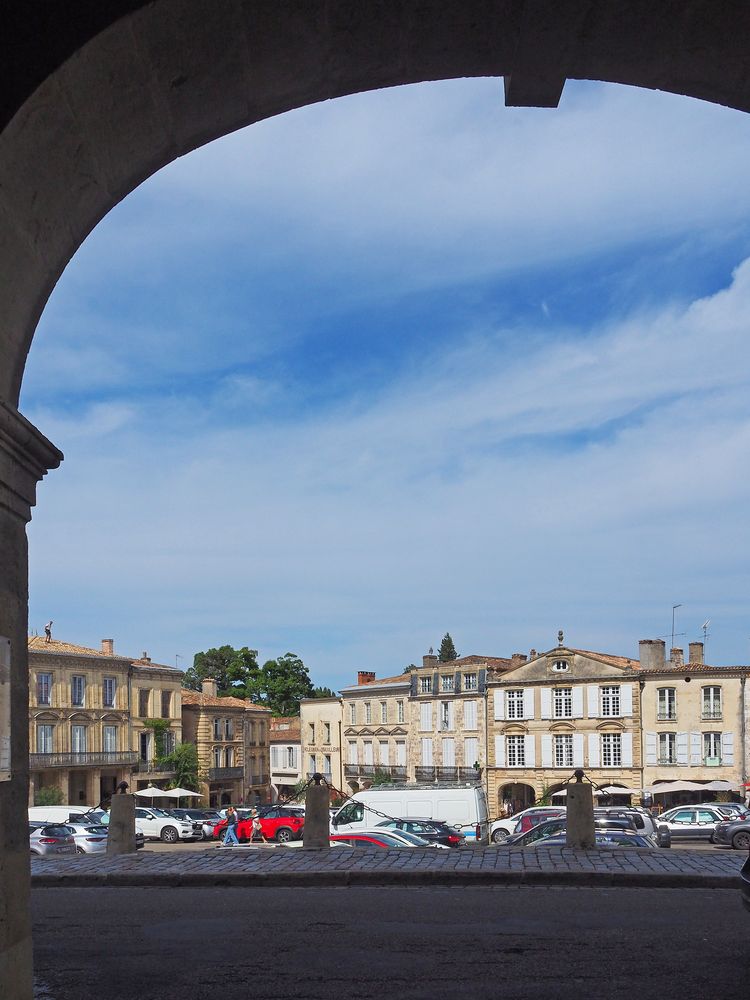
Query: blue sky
[403,363]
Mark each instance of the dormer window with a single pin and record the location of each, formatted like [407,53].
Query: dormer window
[560,666]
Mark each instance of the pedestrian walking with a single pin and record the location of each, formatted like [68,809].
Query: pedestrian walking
[230,837]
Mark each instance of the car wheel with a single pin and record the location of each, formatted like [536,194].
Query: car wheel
[284,835]
[741,841]
[169,835]
[498,836]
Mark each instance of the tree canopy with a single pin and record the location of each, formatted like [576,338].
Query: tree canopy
[447,651]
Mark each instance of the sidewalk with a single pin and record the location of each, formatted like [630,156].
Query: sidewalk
[249,866]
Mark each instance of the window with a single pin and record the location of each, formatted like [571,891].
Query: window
[217,729]
[611,745]
[228,729]
[668,745]
[109,691]
[109,739]
[711,703]
[666,704]
[229,757]
[166,704]
[516,751]
[611,701]
[560,666]
[78,739]
[712,749]
[326,732]
[562,703]
[400,711]
[217,756]
[352,715]
[44,737]
[383,711]
[470,682]
[77,689]
[43,689]
[425,685]
[514,704]
[143,696]
[564,749]
[446,682]
[368,712]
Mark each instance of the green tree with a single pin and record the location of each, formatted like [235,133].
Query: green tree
[285,682]
[236,672]
[184,762]
[447,651]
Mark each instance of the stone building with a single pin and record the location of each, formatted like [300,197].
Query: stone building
[558,711]
[375,729]
[321,739]
[695,723]
[286,754]
[447,717]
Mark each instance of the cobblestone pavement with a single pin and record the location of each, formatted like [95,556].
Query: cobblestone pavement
[344,866]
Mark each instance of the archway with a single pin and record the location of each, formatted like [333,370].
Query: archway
[94,104]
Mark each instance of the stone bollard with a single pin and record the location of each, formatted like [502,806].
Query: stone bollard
[580,814]
[121,830]
[317,816]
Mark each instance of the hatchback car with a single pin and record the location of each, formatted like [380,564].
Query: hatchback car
[432,830]
[51,841]
[692,822]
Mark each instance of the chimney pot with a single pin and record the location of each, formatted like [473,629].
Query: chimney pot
[108,647]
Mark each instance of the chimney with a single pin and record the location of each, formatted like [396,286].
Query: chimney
[651,653]
[365,676]
[430,659]
[695,652]
[108,647]
[209,687]
[517,659]
[676,657]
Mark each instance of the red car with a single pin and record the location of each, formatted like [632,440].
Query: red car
[277,823]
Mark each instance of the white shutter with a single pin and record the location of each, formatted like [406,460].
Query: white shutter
[499,751]
[528,703]
[449,753]
[546,750]
[578,749]
[727,748]
[594,750]
[546,701]
[626,700]
[592,697]
[450,717]
[529,751]
[681,744]
[696,749]
[651,748]
[426,752]
[577,702]
[626,743]
[470,715]
[471,751]
[425,716]
[499,704]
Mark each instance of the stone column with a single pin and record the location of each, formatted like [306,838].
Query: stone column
[25,457]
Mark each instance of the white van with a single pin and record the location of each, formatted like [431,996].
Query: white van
[462,806]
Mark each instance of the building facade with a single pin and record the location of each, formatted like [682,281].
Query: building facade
[321,739]
[286,755]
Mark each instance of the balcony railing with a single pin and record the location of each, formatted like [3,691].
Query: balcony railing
[448,774]
[39,761]
[666,715]
[396,772]
[711,713]
[225,773]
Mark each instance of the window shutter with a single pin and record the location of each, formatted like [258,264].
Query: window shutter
[626,699]
[546,750]
[681,746]
[546,703]
[499,751]
[727,748]
[577,702]
[528,703]
[578,749]
[626,743]
[529,750]
[592,697]
[651,751]
[499,703]
[451,706]
[425,716]
[696,749]
[594,750]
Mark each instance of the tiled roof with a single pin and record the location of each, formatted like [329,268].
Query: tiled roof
[201,700]
[40,645]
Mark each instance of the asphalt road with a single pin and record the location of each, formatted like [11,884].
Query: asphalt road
[431,943]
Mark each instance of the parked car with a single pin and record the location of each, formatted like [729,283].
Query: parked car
[502,828]
[51,840]
[431,830]
[279,823]
[733,833]
[606,838]
[368,839]
[692,822]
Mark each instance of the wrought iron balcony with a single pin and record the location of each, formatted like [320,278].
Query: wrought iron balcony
[225,773]
[105,758]
[456,774]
